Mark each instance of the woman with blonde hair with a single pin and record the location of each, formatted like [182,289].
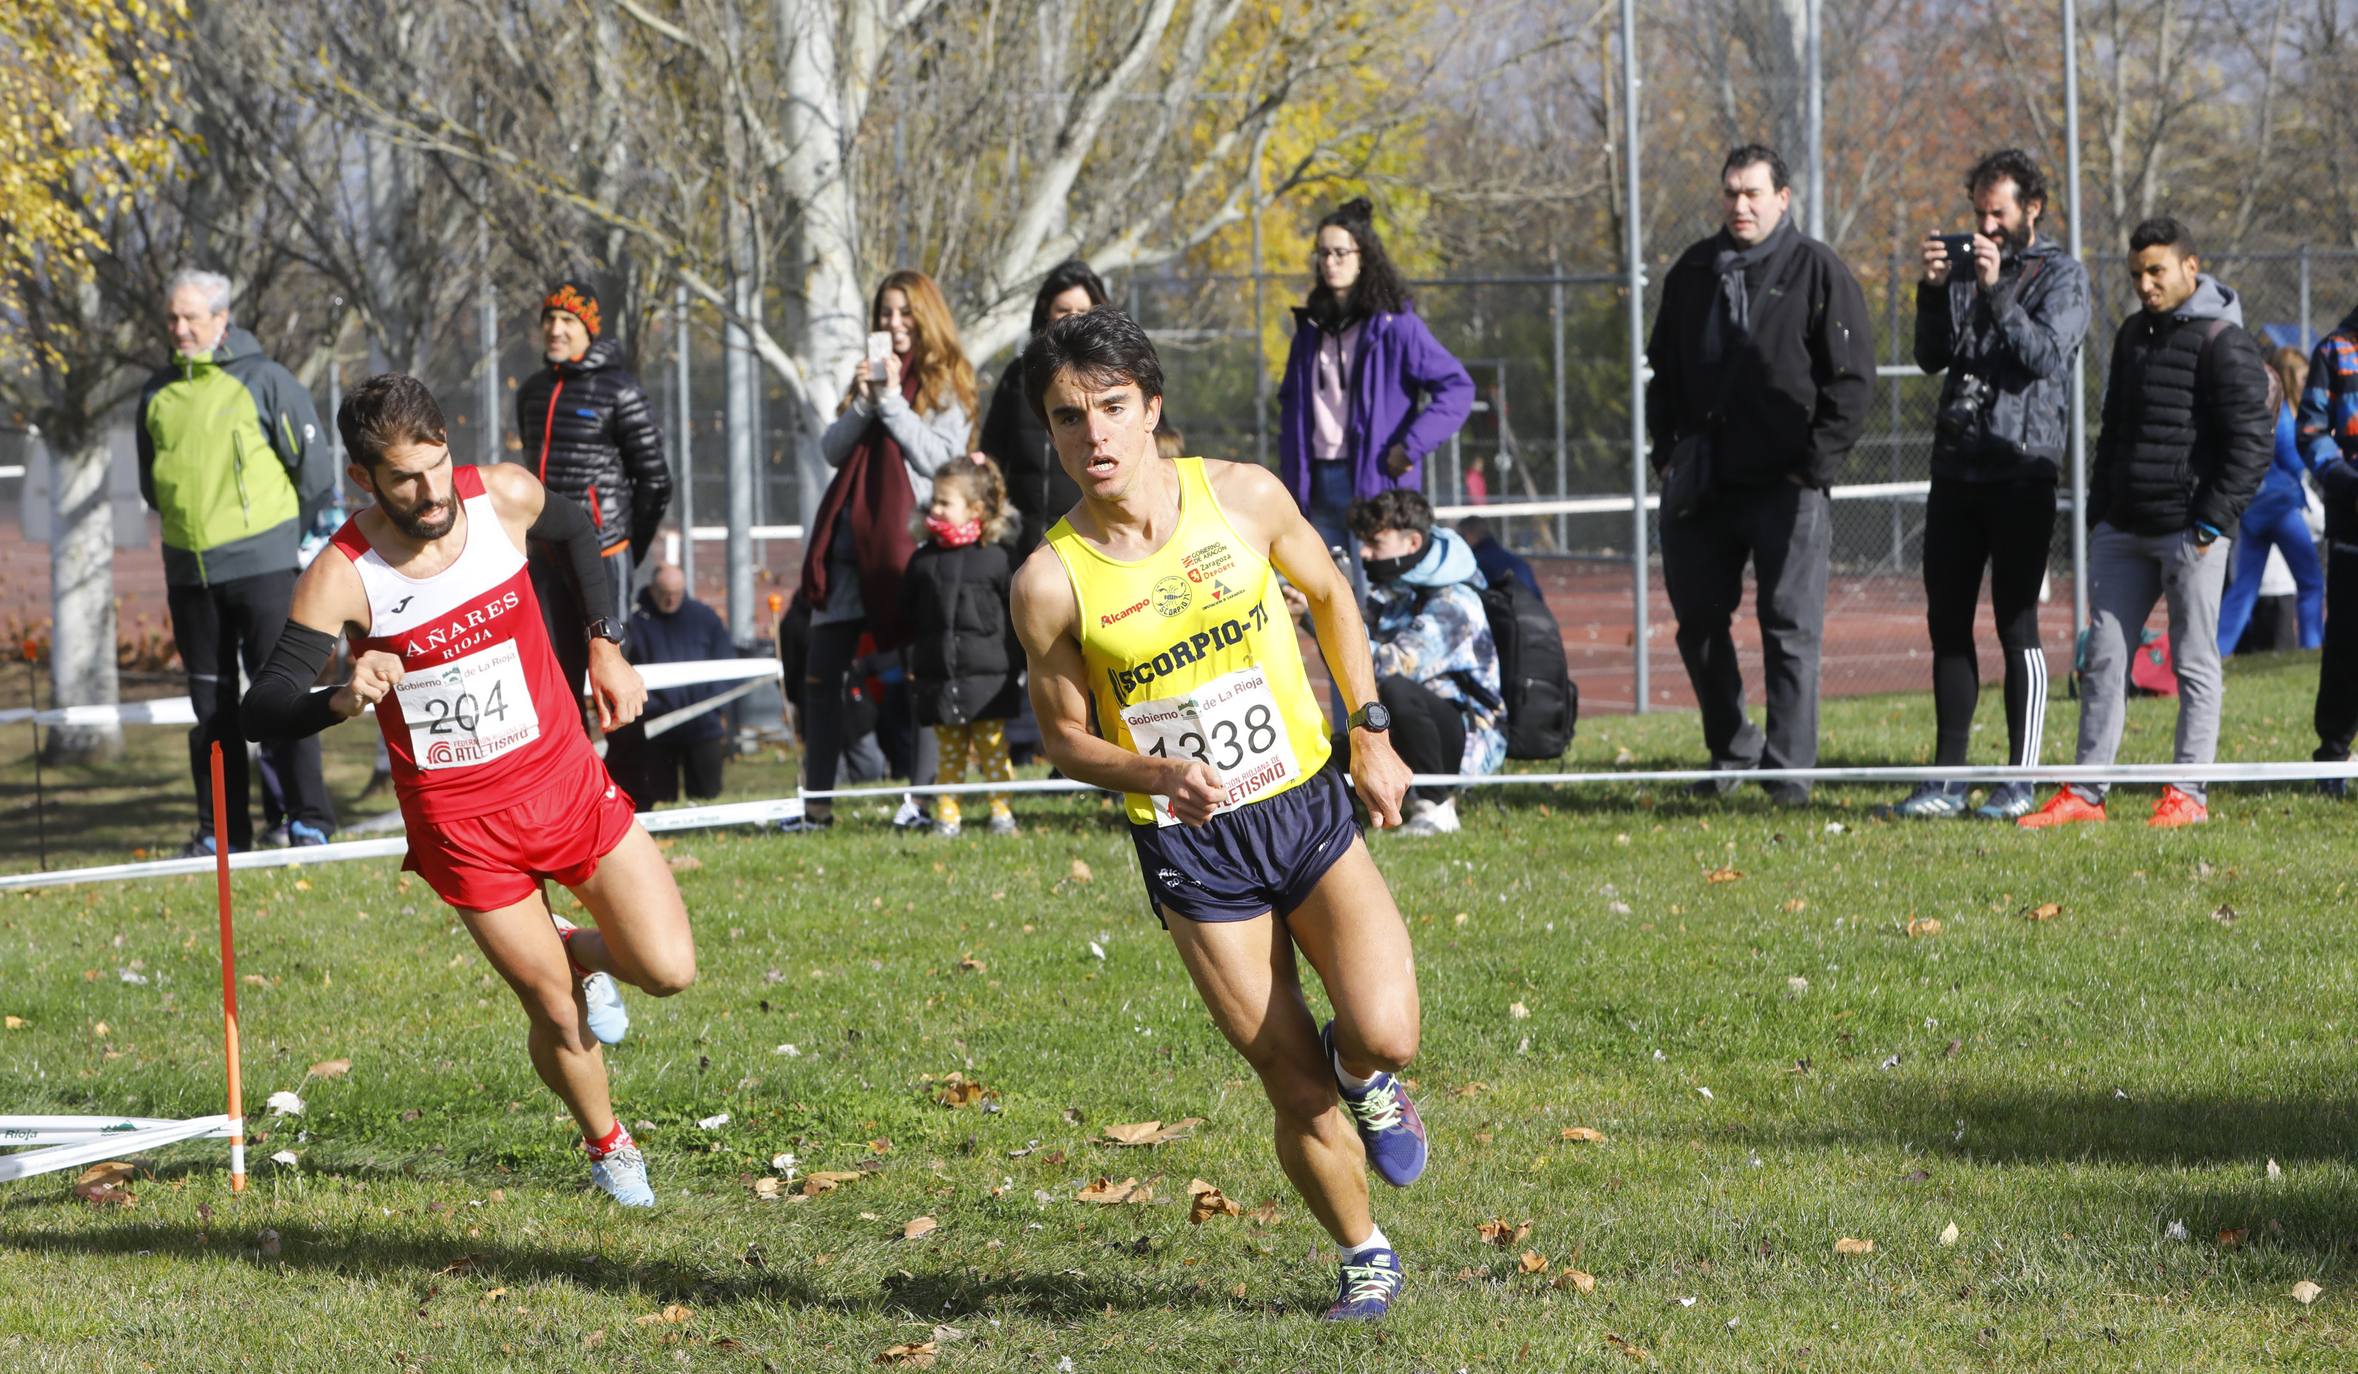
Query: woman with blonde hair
[2278,518]
[903,418]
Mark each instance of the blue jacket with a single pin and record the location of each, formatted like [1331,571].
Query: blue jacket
[2281,491]
[2329,422]
[1498,563]
[1398,363]
[688,634]
[1430,627]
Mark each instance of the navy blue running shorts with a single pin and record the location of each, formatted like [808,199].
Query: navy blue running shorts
[1263,856]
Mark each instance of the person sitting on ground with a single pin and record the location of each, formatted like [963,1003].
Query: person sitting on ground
[1496,560]
[670,626]
[1436,665]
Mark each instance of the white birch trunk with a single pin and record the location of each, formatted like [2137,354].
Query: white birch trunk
[82,594]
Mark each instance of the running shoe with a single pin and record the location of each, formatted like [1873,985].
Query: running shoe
[2177,808]
[1931,801]
[609,1020]
[911,819]
[1370,1282]
[2008,801]
[1005,825]
[2336,788]
[1388,1124]
[199,846]
[1431,818]
[804,824]
[2066,807]
[623,1176]
[276,837]
[302,834]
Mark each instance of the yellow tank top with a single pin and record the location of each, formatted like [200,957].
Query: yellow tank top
[1191,654]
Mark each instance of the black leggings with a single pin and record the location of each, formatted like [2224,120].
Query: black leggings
[825,726]
[2007,527]
[1428,731]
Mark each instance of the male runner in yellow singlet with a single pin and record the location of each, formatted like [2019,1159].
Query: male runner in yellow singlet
[1156,599]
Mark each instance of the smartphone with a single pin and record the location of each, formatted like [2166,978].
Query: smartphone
[1960,251]
[879,348]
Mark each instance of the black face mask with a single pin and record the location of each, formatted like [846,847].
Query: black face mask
[1391,569]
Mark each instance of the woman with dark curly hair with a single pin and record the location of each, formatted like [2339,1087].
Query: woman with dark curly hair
[1368,390]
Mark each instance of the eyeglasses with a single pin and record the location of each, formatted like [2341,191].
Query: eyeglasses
[1333,254]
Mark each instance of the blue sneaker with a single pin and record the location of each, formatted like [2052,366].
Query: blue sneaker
[609,1020]
[1930,801]
[302,833]
[1369,1283]
[623,1176]
[2007,802]
[1388,1124]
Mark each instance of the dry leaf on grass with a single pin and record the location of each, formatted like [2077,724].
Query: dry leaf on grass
[1948,1234]
[970,964]
[1923,929]
[768,1189]
[685,863]
[824,1182]
[960,1091]
[1578,1280]
[1519,1012]
[1589,1134]
[919,1355]
[1851,1245]
[1205,1202]
[1533,1262]
[1628,1347]
[1150,1132]
[919,1228]
[1107,1193]
[1723,875]
[1502,1233]
[672,1315]
[1794,906]
[1081,872]
[2044,911]
[108,1175]
[2232,1237]
[329,1068]
[13,1022]
[2305,1292]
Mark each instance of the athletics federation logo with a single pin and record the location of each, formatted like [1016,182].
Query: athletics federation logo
[1172,595]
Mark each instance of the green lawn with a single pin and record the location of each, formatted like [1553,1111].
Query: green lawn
[1775,1063]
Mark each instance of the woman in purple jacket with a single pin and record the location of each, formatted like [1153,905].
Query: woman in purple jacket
[1368,390]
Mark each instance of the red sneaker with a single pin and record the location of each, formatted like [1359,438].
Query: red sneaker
[2064,808]
[2175,809]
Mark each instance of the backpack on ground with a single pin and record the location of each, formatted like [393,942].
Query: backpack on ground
[1542,702]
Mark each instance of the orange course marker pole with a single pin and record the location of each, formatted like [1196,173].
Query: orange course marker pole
[237,1115]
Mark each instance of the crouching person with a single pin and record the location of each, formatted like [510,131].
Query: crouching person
[1436,665]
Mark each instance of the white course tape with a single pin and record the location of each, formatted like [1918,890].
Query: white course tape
[111,1144]
[785,808]
[179,710]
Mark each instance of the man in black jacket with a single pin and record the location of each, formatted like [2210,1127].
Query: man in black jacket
[2188,433]
[2005,324]
[1762,360]
[590,435]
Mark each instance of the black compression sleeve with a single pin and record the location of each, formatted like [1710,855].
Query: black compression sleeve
[281,704]
[565,525]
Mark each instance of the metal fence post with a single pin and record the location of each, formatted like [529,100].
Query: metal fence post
[2307,338]
[684,440]
[1555,298]
[487,316]
[2079,357]
[1641,680]
[1260,363]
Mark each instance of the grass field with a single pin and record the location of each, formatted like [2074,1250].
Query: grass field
[1868,1034]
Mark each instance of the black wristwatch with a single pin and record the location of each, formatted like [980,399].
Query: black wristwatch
[602,628]
[1372,717]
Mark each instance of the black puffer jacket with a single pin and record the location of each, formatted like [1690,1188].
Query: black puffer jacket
[963,655]
[1018,442]
[590,434]
[2188,432]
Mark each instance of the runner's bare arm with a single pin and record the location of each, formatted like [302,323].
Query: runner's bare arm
[328,602]
[1047,621]
[527,514]
[1255,500]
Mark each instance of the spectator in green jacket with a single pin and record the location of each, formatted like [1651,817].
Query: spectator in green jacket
[231,455]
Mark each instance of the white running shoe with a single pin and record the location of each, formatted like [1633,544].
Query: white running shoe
[623,1176]
[609,1020]
[1432,818]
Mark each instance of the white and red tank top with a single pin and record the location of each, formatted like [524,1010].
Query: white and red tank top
[482,718]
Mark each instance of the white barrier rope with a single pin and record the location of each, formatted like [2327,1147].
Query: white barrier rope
[786,808]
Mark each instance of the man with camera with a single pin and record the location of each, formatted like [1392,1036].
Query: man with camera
[2003,311]
[2189,431]
[1762,358]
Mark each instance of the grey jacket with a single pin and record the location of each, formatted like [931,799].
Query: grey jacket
[2021,336]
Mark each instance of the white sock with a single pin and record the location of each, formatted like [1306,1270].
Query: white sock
[1351,1082]
[1375,1241]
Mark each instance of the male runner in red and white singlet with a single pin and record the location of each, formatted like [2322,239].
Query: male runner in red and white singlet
[497,790]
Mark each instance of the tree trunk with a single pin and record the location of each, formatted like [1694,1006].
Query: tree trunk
[82,594]
[826,85]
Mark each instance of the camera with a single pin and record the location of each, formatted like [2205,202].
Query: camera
[1964,418]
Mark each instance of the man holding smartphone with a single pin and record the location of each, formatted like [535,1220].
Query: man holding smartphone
[2003,312]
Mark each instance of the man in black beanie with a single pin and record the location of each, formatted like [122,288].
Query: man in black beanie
[590,435]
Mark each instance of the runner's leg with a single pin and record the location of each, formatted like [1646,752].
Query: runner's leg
[642,936]
[1353,936]
[524,949]
[1246,974]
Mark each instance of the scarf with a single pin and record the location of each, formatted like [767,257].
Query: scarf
[873,484]
[1731,320]
[953,535]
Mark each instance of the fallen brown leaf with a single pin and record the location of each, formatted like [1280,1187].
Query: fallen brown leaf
[919,1228]
[1795,905]
[1533,1262]
[919,1355]
[1502,1233]
[1635,1352]
[685,863]
[1724,875]
[1579,1280]
[1107,1193]
[330,1068]
[1849,1245]
[672,1315]
[768,1189]
[2044,911]
[1923,929]
[1205,1202]
[107,1175]
[459,1266]
[1590,1134]
[2306,1292]
[1150,1132]
[13,1022]
[970,964]
[824,1182]
[1081,872]
[2232,1237]
[960,1091]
